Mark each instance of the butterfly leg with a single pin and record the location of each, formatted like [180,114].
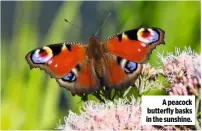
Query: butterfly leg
[84,97]
[97,94]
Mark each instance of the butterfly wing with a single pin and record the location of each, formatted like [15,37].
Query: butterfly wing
[81,79]
[125,53]
[119,72]
[67,63]
[135,45]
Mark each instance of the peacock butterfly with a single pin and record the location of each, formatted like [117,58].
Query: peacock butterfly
[84,68]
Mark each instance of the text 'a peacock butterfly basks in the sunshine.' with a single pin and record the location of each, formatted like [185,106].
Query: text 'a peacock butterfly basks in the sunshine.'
[84,68]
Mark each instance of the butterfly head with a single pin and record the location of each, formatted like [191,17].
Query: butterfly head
[95,48]
[93,39]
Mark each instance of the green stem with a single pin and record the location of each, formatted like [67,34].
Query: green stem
[115,93]
[197,106]
[142,84]
[109,93]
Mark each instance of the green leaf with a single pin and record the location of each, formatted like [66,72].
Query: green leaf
[164,81]
[154,91]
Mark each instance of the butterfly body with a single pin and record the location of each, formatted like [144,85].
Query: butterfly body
[95,49]
[84,68]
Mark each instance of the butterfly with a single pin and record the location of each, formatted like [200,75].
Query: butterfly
[85,68]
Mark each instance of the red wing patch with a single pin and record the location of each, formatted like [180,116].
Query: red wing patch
[115,74]
[130,49]
[86,77]
[66,60]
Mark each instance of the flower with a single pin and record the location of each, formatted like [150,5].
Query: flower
[118,115]
[187,86]
[182,63]
[150,72]
[182,70]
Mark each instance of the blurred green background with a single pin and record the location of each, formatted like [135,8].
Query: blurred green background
[30,99]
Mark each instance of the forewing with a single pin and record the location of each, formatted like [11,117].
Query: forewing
[57,59]
[135,45]
[68,64]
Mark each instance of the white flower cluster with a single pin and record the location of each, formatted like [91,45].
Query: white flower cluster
[118,115]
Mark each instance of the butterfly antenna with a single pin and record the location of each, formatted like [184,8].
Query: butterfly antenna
[103,22]
[75,26]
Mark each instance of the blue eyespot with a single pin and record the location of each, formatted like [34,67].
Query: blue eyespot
[70,77]
[130,67]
